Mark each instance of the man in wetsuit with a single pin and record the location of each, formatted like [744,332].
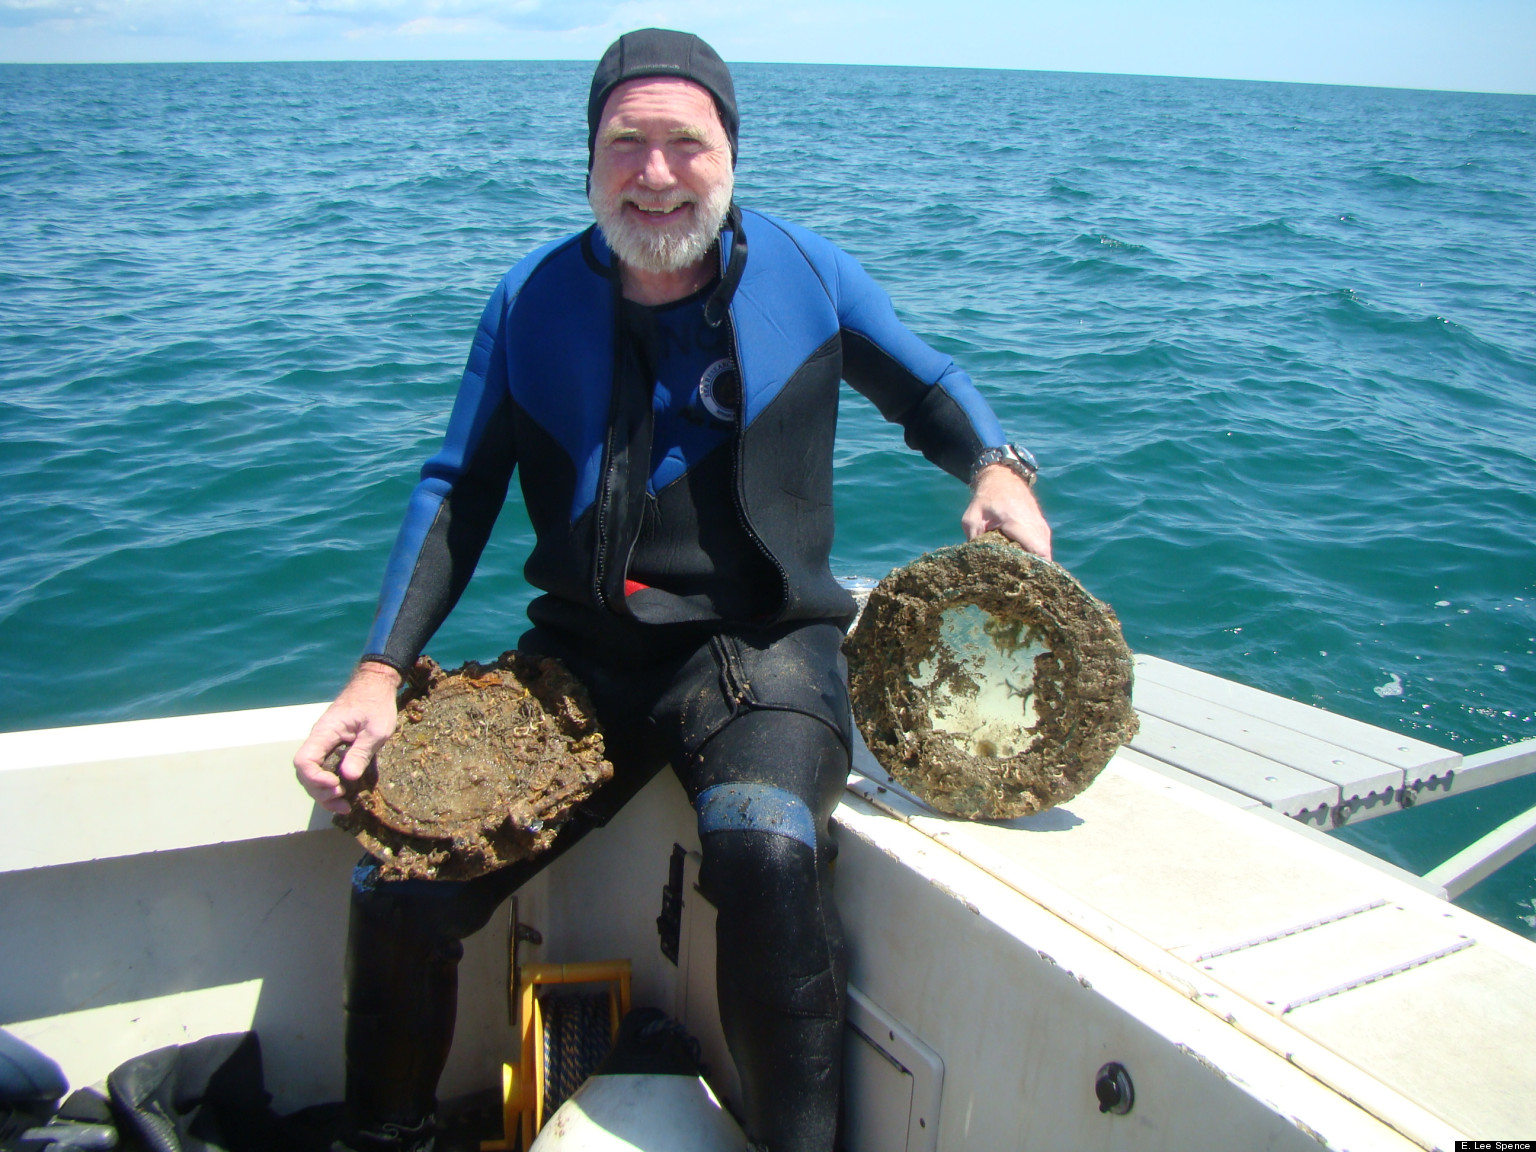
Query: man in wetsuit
[665,384]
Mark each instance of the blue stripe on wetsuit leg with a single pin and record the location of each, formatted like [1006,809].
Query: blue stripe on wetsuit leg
[743,807]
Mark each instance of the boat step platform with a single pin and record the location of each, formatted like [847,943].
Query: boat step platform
[1253,748]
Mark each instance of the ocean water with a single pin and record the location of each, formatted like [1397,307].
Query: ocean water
[1271,343]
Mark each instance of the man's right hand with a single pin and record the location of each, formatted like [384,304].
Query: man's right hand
[362,717]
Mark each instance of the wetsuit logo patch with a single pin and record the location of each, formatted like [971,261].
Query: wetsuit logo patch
[720,390]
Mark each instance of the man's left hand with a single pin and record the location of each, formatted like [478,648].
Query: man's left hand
[1003,501]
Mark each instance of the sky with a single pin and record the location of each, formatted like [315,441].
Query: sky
[1467,45]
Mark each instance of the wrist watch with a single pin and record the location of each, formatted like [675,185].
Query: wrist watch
[1018,460]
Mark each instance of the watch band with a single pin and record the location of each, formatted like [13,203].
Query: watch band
[1018,460]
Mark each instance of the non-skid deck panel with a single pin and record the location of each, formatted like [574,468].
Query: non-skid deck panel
[1472,1013]
[1298,965]
[1136,848]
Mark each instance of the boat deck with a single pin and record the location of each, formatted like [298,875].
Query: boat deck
[1418,1011]
[1346,966]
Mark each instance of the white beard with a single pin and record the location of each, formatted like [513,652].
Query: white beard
[668,249]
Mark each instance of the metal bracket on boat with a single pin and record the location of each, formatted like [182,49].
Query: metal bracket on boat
[517,933]
[1482,858]
[669,925]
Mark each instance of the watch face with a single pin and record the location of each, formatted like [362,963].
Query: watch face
[1024,456]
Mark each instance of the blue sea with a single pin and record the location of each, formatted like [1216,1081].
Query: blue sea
[1273,345]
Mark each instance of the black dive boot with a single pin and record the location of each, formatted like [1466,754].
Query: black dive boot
[782,975]
[401,996]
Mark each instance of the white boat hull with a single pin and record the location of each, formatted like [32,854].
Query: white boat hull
[1263,988]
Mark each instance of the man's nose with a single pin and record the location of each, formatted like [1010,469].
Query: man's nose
[657,172]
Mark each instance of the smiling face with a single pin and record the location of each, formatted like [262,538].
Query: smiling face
[661,174]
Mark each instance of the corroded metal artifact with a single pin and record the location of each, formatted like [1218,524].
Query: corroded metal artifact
[988,682]
[485,765]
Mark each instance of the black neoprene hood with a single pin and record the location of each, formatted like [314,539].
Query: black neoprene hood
[662,52]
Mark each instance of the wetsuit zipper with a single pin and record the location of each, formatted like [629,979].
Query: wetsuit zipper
[600,566]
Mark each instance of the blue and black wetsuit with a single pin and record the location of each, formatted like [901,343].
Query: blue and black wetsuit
[559,387]
[676,464]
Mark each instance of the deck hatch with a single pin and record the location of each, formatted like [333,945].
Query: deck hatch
[894,1083]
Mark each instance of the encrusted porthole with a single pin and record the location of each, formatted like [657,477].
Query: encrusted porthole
[988,682]
[487,763]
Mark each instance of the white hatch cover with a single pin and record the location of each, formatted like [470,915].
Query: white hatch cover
[892,1083]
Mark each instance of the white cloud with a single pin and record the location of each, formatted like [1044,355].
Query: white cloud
[540,15]
[298,19]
